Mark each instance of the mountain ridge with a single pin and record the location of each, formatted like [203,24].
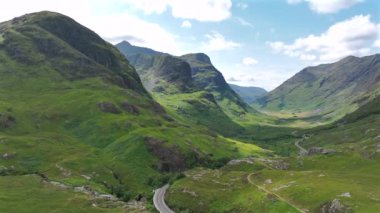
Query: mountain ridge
[327,90]
[191,98]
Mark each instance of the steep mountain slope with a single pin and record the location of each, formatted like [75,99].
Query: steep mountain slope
[163,73]
[189,85]
[208,78]
[76,122]
[248,94]
[328,91]
[359,128]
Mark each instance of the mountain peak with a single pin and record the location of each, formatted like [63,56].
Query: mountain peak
[198,57]
[125,43]
[348,58]
[47,36]
[128,49]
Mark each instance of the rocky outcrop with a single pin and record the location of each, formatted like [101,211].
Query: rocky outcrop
[240,161]
[170,157]
[280,165]
[6,121]
[334,206]
[126,106]
[320,150]
[108,107]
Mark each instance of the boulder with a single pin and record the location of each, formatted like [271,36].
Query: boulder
[334,206]
[346,194]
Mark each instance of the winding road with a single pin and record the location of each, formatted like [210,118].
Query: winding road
[159,200]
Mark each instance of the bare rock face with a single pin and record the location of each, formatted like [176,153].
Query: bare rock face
[130,108]
[171,158]
[334,206]
[158,108]
[108,107]
[6,121]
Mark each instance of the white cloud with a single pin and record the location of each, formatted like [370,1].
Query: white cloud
[242,5]
[244,22]
[217,42]
[147,6]
[294,1]
[308,57]
[249,61]
[327,6]
[201,10]
[350,37]
[377,42]
[160,40]
[186,24]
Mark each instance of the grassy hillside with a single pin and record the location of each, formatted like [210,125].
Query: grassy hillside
[74,115]
[326,92]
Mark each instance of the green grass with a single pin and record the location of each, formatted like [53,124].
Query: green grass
[28,193]
[317,180]
[206,190]
[198,110]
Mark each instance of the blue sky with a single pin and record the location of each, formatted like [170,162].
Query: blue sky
[252,42]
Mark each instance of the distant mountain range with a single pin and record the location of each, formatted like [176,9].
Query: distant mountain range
[249,94]
[329,91]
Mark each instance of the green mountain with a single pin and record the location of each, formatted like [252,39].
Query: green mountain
[327,91]
[208,78]
[78,130]
[249,94]
[190,86]
[163,73]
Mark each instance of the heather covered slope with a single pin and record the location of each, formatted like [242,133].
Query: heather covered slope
[328,91]
[73,113]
